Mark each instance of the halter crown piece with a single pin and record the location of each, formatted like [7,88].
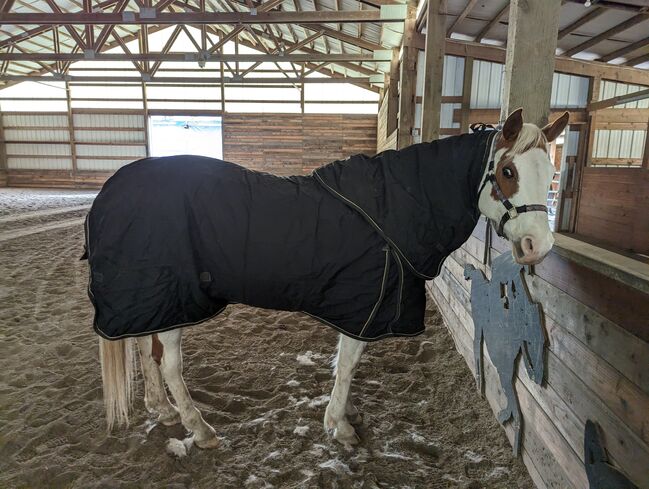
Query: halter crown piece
[511,211]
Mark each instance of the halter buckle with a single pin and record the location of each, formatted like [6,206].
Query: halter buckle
[513,213]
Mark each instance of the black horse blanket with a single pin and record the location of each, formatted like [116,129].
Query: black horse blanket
[171,241]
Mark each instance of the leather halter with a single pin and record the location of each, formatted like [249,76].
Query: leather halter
[511,211]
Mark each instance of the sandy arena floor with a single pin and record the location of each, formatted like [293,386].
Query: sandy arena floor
[261,378]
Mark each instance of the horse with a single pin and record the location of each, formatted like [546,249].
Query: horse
[510,324]
[172,241]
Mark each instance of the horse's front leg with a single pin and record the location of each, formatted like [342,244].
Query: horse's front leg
[171,366]
[335,420]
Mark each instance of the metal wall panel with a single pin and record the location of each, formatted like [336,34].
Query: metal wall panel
[487,84]
[569,91]
[26,163]
[616,144]
[15,149]
[609,89]
[100,165]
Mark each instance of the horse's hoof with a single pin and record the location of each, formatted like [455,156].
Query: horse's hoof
[206,444]
[341,431]
[346,436]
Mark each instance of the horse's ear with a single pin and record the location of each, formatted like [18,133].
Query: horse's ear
[553,130]
[513,125]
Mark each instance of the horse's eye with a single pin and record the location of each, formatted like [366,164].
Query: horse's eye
[508,173]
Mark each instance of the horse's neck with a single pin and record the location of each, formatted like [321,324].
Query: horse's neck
[460,156]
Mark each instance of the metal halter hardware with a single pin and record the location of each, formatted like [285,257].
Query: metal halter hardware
[511,211]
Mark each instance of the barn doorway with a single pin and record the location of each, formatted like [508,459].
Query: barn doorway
[186,134]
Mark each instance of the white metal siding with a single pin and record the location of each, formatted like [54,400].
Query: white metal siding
[619,143]
[569,91]
[486,84]
[101,164]
[108,120]
[609,89]
[26,163]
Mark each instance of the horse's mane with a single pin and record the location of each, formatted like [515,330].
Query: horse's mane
[529,137]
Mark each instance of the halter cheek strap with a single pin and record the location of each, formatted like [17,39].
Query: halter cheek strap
[511,211]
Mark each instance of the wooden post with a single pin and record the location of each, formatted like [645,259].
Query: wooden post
[645,154]
[73,145]
[3,155]
[408,79]
[591,117]
[145,113]
[302,91]
[466,94]
[392,93]
[529,63]
[433,72]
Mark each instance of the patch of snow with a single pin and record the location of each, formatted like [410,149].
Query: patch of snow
[417,438]
[306,359]
[292,383]
[338,467]
[449,477]
[319,401]
[395,455]
[498,472]
[373,382]
[176,448]
[255,481]
[274,454]
[473,457]
[301,430]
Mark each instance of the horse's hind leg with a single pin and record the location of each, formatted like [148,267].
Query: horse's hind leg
[155,395]
[335,421]
[171,366]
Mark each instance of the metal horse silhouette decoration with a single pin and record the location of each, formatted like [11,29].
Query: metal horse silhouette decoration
[601,473]
[510,324]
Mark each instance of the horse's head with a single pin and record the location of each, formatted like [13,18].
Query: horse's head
[514,195]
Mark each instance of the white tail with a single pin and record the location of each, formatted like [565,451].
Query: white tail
[117,370]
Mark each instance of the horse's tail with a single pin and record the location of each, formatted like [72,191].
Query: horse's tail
[117,371]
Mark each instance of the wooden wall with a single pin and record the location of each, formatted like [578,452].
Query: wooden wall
[614,207]
[386,135]
[284,144]
[597,351]
[292,144]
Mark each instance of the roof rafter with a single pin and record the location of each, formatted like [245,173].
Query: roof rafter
[629,48]
[485,30]
[627,24]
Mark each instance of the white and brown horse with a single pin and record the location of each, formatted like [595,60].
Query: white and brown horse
[520,177]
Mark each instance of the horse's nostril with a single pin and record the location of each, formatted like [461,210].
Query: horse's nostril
[527,243]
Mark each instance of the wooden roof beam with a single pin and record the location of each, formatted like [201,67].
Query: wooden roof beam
[638,60]
[467,10]
[485,30]
[168,18]
[608,4]
[594,12]
[627,24]
[629,48]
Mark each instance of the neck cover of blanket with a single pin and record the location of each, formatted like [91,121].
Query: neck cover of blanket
[172,241]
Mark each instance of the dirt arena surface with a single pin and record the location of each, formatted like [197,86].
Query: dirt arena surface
[261,378]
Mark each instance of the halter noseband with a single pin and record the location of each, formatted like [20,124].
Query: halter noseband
[511,211]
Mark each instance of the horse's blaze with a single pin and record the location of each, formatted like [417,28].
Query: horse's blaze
[156,349]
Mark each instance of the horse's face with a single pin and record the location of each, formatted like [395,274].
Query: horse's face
[523,172]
